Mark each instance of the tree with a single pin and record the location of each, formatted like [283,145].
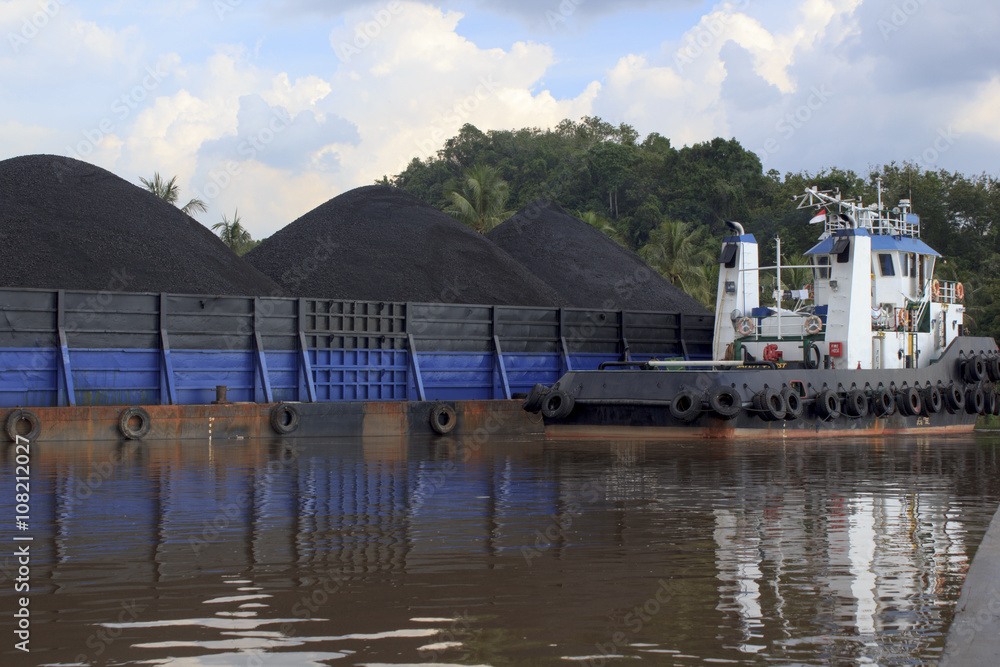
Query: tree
[479,199]
[678,253]
[233,234]
[168,191]
[597,221]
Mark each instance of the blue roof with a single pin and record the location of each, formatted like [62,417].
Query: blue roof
[746,238]
[879,243]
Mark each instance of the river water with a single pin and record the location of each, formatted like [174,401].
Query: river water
[438,551]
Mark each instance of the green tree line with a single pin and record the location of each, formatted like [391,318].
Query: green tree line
[670,204]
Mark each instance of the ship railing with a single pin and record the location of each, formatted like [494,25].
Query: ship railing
[947,292]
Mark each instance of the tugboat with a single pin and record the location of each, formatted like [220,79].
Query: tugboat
[874,345]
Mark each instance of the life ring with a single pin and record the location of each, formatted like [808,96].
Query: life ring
[809,290]
[812,325]
[936,289]
[902,318]
[685,406]
[827,404]
[769,404]
[134,423]
[725,402]
[932,400]
[745,326]
[959,291]
[442,418]
[855,404]
[909,401]
[558,404]
[793,404]
[284,418]
[533,403]
[954,399]
[882,403]
[14,420]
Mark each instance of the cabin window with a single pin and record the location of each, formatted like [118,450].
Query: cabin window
[909,264]
[886,264]
[842,249]
[728,257]
[822,270]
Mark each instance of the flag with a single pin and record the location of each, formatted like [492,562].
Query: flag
[820,217]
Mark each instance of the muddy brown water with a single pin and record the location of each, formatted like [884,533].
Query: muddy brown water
[436,551]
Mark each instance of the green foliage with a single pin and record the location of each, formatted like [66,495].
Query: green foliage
[169,191]
[631,186]
[479,199]
[234,235]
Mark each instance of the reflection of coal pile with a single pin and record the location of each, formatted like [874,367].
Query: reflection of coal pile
[66,224]
[379,243]
[585,266]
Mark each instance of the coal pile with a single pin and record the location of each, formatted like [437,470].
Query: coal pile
[378,243]
[66,224]
[585,266]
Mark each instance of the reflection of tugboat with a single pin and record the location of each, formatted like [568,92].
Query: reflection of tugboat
[873,344]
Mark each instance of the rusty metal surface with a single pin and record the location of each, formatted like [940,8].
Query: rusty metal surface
[236,421]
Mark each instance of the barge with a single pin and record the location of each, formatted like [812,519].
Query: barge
[873,344]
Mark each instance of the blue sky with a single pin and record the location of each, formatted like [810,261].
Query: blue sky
[275,106]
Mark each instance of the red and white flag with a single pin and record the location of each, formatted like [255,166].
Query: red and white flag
[820,217]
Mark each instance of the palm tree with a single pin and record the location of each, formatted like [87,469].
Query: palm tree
[479,200]
[233,234]
[678,254]
[596,220]
[168,192]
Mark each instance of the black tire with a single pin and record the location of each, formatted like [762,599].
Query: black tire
[973,369]
[989,401]
[954,399]
[533,403]
[558,404]
[793,404]
[975,400]
[812,356]
[284,418]
[14,427]
[769,404]
[855,404]
[442,418]
[883,404]
[827,405]
[685,406]
[996,403]
[932,400]
[909,402]
[725,402]
[993,368]
[134,423]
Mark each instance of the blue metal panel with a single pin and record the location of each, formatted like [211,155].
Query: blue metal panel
[283,370]
[197,372]
[524,370]
[457,375]
[590,362]
[116,377]
[359,375]
[29,376]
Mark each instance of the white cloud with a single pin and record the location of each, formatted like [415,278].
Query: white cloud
[981,115]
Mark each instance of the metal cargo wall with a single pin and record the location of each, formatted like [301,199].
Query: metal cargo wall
[66,347]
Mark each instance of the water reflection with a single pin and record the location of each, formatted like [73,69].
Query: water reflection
[444,552]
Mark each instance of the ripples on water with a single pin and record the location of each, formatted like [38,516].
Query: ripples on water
[508,553]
